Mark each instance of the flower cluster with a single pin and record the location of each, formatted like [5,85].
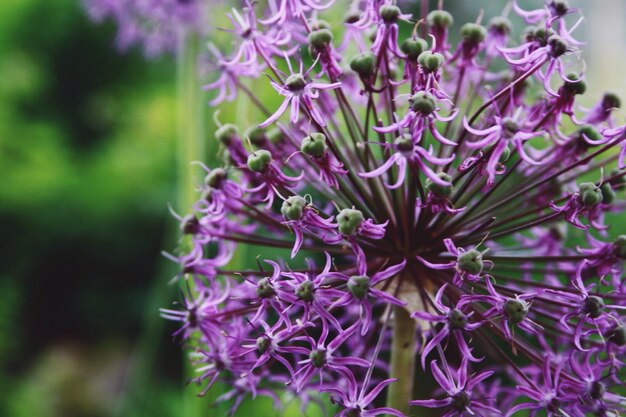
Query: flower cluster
[155,25]
[402,181]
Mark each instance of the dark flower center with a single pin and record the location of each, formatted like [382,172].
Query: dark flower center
[295,82]
[456,319]
[461,401]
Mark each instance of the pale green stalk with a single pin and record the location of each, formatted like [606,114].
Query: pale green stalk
[190,147]
[402,361]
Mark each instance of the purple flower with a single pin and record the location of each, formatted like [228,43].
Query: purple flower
[468,264]
[497,35]
[296,9]
[360,290]
[387,30]
[156,25]
[352,226]
[271,178]
[421,116]
[588,201]
[587,308]
[299,91]
[606,257]
[314,294]
[455,322]
[355,402]
[603,111]
[255,42]
[229,73]
[512,311]
[300,216]
[320,358]
[413,155]
[458,386]
[314,147]
[506,131]
[553,10]
[546,396]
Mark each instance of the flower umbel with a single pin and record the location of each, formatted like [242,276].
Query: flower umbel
[411,187]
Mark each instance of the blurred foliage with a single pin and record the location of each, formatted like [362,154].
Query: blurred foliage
[87,167]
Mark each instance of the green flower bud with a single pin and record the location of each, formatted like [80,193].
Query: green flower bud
[295,82]
[349,221]
[590,195]
[389,13]
[293,207]
[215,177]
[441,190]
[620,246]
[611,101]
[363,64]
[352,412]
[318,357]
[501,24]
[359,286]
[597,390]
[258,161]
[404,143]
[320,38]
[474,33]
[430,61]
[471,262]
[617,335]
[275,136]
[353,16]
[439,19]
[515,310]
[559,7]
[317,24]
[574,84]
[619,181]
[539,34]
[608,195]
[413,47]
[264,288]
[456,319]
[189,225]
[262,344]
[257,136]
[590,132]
[226,134]
[306,291]
[558,46]
[593,306]
[510,126]
[314,144]
[423,102]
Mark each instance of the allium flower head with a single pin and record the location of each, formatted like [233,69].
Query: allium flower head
[406,209]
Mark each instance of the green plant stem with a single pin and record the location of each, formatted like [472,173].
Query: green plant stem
[190,147]
[402,360]
[190,120]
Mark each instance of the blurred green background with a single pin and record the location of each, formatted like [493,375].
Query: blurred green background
[87,165]
[87,168]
